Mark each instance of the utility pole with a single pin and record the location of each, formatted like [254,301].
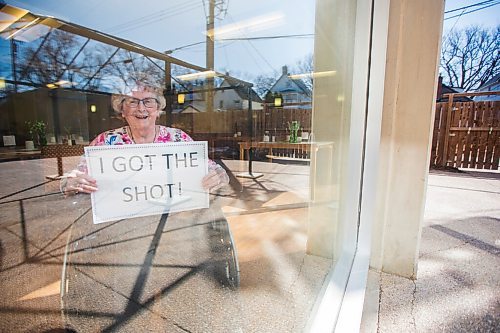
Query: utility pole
[168,92]
[13,56]
[210,55]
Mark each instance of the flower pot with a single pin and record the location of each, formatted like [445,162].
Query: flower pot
[30,145]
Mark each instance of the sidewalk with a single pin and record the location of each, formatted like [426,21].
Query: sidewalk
[457,285]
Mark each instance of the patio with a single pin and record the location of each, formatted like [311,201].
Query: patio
[162,273]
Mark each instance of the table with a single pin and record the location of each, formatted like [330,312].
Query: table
[15,154]
[59,151]
[299,149]
[217,142]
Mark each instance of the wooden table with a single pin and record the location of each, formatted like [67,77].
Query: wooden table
[299,150]
[60,151]
[218,141]
[16,154]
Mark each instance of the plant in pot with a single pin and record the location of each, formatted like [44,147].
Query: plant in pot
[70,141]
[36,133]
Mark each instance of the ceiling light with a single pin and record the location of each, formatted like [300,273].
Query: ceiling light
[314,75]
[194,76]
[247,26]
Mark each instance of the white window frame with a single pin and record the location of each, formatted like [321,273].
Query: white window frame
[339,305]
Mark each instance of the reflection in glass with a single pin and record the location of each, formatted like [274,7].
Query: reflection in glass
[241,265]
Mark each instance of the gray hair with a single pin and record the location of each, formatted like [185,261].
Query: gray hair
[117,99]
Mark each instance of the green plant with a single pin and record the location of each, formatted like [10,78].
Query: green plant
[294,128]
[37,132]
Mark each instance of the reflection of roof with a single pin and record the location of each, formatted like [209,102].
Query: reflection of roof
[491,82]
[191,107]
[242,91]
[302,88]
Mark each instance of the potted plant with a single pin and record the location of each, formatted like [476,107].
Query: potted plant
[37,134]
[70,140]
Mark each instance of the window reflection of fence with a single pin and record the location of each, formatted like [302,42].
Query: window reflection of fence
[233,121]
[221,129]
[466,135]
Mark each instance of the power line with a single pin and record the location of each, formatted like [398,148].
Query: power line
[454,24]
[204,8]
[472,11]
[255,49]
[152,15]
[153,18]
[268,37]
[473,5]
[221,11]
[245,39]
[183,47]
[159,19]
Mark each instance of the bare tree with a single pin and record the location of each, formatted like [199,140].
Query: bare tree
[61,56]
[262,83]
[127,68]
[470,57]
[47,62]
[57,57]
[305,66]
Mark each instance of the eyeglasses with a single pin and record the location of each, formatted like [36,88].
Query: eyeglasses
[133,103]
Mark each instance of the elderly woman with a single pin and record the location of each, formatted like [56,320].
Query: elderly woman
[139,109]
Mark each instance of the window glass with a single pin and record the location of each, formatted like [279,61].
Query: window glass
[274,176]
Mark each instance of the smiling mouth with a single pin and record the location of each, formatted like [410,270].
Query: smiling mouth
[141,116]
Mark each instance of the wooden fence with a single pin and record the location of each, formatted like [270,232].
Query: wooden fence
[226,123]
[219,128]
[466,134]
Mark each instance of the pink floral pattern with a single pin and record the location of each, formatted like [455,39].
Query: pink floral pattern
[120,136]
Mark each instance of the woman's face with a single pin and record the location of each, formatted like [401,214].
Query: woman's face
[140,110]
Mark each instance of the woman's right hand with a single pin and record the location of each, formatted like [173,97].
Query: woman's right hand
[77,181]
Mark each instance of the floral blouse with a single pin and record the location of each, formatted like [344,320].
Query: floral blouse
[120,136]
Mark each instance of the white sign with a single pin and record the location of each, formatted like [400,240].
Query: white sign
[9,140]
[147,179]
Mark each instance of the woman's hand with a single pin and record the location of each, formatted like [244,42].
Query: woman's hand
[77,181]
[215,179]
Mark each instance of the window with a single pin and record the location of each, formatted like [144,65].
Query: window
[271,235]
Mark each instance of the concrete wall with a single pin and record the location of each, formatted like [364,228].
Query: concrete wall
[414,40]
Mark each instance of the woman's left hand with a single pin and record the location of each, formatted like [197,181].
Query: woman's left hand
[215,179]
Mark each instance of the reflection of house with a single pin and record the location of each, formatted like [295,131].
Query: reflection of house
[292,90]
[235,97]
[191,107]
[491,85]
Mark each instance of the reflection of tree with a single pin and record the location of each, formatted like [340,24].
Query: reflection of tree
[306,66]
[56,57]
[127,68]
[262,83]
[62,56]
